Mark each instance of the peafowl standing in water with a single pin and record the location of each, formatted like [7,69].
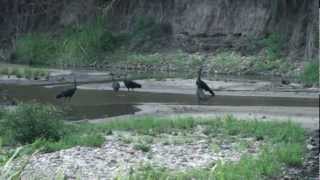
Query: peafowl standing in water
[131,84]
[115,84]
[69,92]
[201,87]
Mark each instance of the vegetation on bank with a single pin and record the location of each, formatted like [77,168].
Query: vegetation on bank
[24,72]
[95,45]
[84,44]
[310,75]
[40,127]
[92,44]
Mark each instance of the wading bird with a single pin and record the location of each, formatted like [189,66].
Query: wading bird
[115,84]
[69,92]
[201,87]
[131,84]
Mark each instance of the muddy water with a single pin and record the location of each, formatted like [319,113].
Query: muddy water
[90,104]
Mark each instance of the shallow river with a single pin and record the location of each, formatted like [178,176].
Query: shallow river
[90,104]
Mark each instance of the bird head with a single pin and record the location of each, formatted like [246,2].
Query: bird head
[200,71]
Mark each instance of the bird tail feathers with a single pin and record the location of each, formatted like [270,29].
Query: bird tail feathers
[59,96]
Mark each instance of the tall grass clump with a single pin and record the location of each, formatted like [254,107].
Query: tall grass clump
[81,45]
[273,46]
[29,122]
[74,46]
[35,49]
[310,74]
[87,43]
[69,140]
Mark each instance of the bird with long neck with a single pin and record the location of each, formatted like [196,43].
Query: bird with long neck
[115,84]
[202,85]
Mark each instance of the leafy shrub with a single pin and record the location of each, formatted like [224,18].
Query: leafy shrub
[142,146]
[29,122]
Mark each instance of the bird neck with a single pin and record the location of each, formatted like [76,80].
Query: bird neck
[199,75]
[75,84]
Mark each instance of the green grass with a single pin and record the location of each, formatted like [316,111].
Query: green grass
[273,46]
[290,153]
[70,140]
[74,46]
[35,49]
[284,142]
[5,71]
[310,74]
[275,131]
[265,166]
[24,72]
[142,147]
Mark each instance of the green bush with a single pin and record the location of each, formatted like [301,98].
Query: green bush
[29,122]
[142,146]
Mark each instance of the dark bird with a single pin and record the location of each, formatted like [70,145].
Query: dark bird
[202,85]
[131,84]
[115,84]
[68,93]
[284,81]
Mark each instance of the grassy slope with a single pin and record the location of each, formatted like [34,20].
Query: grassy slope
[284,144]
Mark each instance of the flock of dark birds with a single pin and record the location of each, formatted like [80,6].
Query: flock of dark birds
[67,94]
[130,84]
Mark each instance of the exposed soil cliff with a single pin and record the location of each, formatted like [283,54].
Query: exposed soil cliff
[202,25]
[212,24]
